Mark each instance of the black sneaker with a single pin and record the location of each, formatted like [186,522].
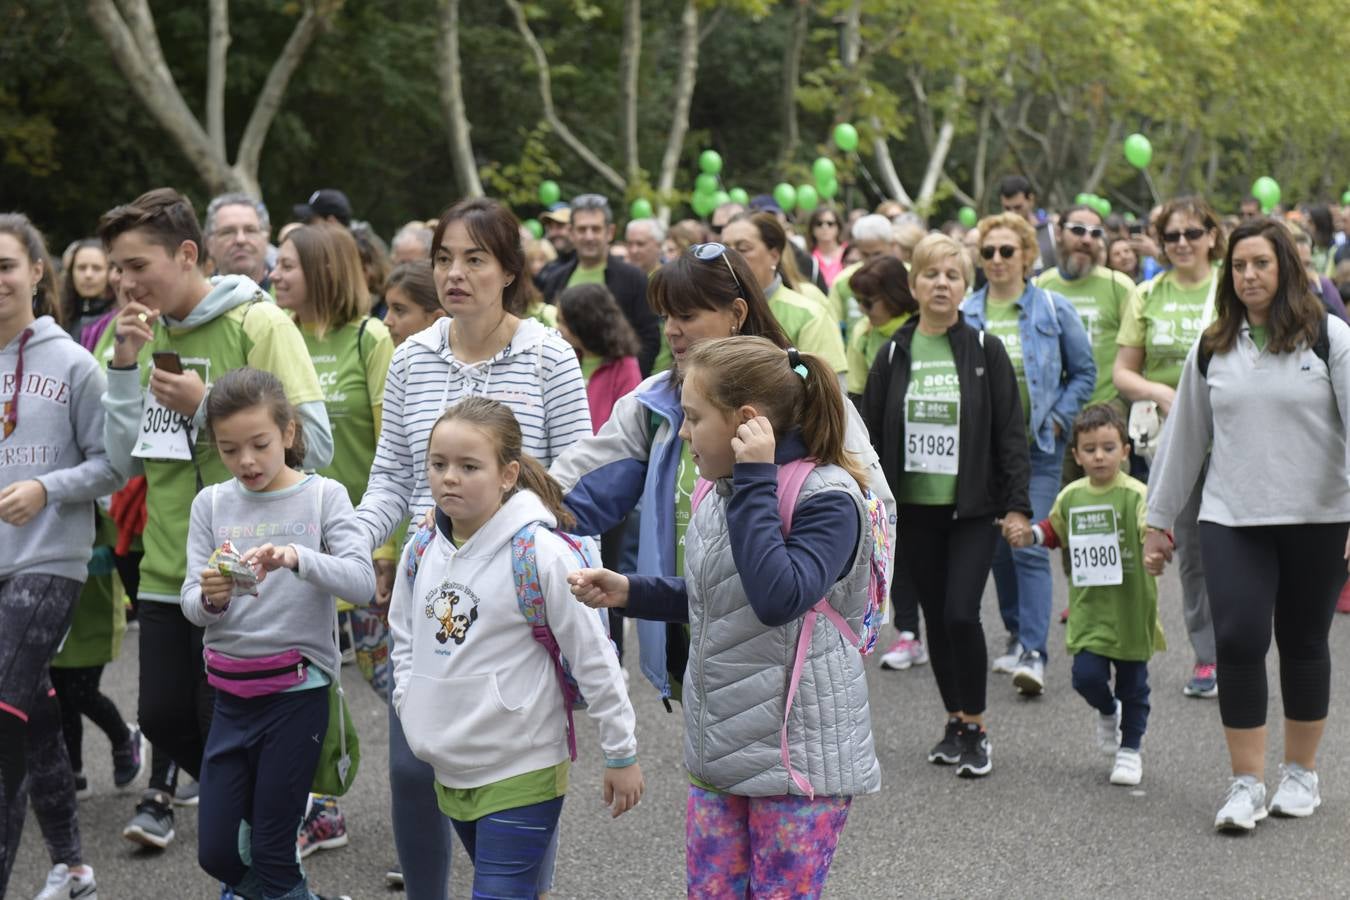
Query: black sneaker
[82,789]
[129,760]
[974,752]
[947,752]
[152,826]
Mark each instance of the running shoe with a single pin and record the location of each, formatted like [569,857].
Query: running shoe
[1244,806]
[187,792]
[1029,675]
[325,827]
[129,761]
[1008,661]
[152,826]
[975,752]
[1129,768]
[393,877]
[1204,681]
[82,789]
[907,651]
[62,883]
[1108,731]
[1298,794]
[947,752]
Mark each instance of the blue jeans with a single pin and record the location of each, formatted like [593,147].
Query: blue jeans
[1022,577]
[509,849]
[1092,679]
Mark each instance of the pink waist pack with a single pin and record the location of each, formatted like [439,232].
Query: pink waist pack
[257,676]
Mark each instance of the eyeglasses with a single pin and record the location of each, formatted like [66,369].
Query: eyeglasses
[713,250]
[830,222]
[1191,234]
[248,231]
[1079,230]
[1006,251]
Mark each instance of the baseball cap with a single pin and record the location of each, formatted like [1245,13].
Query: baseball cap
[561,216]
[323,203]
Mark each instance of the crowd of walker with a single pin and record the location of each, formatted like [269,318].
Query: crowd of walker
[462,461]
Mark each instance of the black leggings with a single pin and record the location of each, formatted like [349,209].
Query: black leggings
[79,694]
[175,701]
[1293,574]
[949,561]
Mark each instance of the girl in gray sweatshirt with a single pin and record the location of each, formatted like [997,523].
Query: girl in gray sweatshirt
[267,554]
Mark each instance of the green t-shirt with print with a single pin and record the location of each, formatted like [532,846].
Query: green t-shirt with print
[1165,319]
[583,275]
[471,804]
[1002,321]
[1101,297]
[932,376]
[256,333]
[352,362]
[1115,621]
[809,328]
[864,342]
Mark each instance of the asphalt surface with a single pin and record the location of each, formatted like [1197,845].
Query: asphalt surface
[1046,823]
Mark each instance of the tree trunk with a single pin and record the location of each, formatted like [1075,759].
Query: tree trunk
[587,155]
[792,67]
[1103,155]
[217,49]
[937,158]
[451,85]
[849,51]
[679,116]
[630,55]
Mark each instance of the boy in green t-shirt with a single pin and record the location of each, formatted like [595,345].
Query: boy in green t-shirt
[1113,601]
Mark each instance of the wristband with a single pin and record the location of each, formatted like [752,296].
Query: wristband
[621,763]
[212,608]
[1037,536]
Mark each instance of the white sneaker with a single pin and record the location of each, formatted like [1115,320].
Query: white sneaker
[1244,806]
[58,880]
[1029,674]
[1129,768]
[1108,732]
[1297,795]
[1007,662]
[907,651]
[63,883]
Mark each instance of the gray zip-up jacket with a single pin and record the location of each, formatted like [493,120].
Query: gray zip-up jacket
[739,670]
[1277,424]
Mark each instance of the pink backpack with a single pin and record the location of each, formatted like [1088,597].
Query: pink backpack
[791,477]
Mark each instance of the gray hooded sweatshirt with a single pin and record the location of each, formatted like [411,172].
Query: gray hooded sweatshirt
[52,432]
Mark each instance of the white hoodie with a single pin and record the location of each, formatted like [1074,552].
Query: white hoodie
[477,695]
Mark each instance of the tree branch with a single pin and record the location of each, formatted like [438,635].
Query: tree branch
[217,50]
[551,114]
[684,94]
[937,158]
[792,65]
[1099,167]
[630,54]
[141,23]
[451,84]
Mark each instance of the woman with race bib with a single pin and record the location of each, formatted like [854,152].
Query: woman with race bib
[1051,355]
[943,410]
[1157,330]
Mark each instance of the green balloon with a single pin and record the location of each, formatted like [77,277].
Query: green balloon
[534,227]
[967,216]
[641,208]
[823,169]
[1138,151]
[1345,199]
[846,137]
[1082,200]
[1266,190]
[1103,206]
[739,195]
[549,192]
[828,188]
[1131,217]
[710,161]
[706,183]
[807,198]
[785,195]
[703,204]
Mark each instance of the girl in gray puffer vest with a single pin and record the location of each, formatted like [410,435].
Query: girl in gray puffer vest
[768,771]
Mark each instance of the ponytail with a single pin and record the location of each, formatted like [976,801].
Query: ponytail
[534,477]
[790,388]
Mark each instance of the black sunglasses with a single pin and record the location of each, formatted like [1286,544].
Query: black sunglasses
[1006,251]
[1080,230]
[1136,228]
[713,250]
[1191,234]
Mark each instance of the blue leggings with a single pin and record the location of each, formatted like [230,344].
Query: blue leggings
[1092,679]
[509,849]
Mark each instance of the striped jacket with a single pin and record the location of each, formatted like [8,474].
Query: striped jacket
[536,375]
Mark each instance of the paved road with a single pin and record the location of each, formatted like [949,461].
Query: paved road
[1045,823]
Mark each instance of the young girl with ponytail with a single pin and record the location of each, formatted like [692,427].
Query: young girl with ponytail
[756,827]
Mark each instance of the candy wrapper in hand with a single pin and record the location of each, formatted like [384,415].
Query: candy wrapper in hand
[243,575]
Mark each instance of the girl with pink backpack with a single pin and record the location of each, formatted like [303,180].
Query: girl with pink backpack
[784,574]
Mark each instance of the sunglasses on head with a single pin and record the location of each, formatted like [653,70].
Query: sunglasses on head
[1006,251]
[1080,230]
[713,250]
[1191,234]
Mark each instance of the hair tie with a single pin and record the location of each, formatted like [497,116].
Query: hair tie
[795,362]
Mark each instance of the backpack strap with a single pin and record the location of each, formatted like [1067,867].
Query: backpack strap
[360,348]
[701,489]
[1321,347]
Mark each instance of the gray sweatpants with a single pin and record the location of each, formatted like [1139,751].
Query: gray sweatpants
[1194,594]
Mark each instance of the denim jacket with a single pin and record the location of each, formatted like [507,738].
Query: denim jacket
[1056,356]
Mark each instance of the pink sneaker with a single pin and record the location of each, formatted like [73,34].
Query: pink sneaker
[907,651]
[1343,603]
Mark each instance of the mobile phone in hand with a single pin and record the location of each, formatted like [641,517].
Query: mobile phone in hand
[168,361]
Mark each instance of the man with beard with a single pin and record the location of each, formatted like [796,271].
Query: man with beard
[237,229]
[592,231]
[1098,293]
[557,224]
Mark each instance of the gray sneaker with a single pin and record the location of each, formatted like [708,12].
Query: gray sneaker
[1297,795]
[1244,806]
[1108,732]
[152,826]
[1029,675]
[1008,661]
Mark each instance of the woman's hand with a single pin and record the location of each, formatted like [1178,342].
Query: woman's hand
[1164,397]
[599,588]
[623,789]
[384,584]
[754,442]
[1158,551]
[21,501]
[269,557]
[1017,534]
[215,588]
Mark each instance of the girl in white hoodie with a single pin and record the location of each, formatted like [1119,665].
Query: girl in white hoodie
[477,692]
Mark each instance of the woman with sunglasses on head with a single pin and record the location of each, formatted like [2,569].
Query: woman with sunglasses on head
[1157,329]
[709,292]
[825,239]
[1052,357]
